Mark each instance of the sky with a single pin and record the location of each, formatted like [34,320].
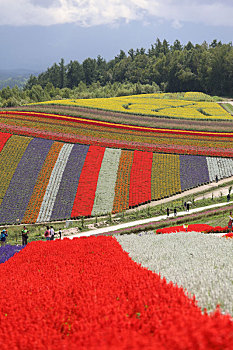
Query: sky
[34,34]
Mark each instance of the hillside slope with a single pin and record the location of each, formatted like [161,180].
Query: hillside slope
[57,166]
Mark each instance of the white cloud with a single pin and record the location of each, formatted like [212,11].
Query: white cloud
[95,12]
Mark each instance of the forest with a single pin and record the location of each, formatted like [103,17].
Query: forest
[163,67]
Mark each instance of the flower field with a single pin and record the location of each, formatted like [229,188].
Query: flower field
[193,227]
[84,162]
[45,180]
[99,298]
[154,104]
[7,251]
[200,263]
[76,129]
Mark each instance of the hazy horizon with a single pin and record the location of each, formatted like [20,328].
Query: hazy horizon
[34,34]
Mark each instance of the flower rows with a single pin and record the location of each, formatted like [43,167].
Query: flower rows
[21,187]
[54,183]
[104,195]
[220,167]
[98,298]
[85,131]
[152,105]
[10,157]
[165,175]
[194,171]
[121,198]
[85,196]
[140,178]
[45,180]
[69,183]
[36,200]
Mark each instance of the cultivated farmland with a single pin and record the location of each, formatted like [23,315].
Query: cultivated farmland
[58,165]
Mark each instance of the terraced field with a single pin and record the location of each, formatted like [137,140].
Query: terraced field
[89,162]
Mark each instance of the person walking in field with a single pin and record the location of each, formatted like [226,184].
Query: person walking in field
[47,234]
[167,212]
[3,237]
[24,233]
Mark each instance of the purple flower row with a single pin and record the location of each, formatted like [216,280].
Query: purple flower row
[193,171]
[7,251]
[19,192]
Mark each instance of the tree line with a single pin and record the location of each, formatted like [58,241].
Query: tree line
[163,67]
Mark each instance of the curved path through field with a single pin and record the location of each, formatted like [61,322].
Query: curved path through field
[211,188]
[70,233]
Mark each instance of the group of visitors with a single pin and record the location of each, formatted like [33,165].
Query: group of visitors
[50,233]
[168,212]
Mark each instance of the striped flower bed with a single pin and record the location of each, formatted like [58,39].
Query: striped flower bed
[85,195]
[69,183]
[21,187]
[87,131]
[194,171]
[36,200]
[54,183]
[121,199]
[104,195]
[10,157]
[98,298]
[165,175]
[45,180]
[140,180]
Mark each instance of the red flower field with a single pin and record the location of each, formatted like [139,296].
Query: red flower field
[88,294]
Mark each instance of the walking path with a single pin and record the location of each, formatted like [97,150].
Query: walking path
[212,186]
[108,229]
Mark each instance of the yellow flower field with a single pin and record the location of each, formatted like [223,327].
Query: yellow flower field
[155,105]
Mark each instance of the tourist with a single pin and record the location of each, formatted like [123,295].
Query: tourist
[167,212]
[52,233]
[3,237]
[175,212]
[230,222]
[24,233]
[59,232]
[47,234]
[187,206]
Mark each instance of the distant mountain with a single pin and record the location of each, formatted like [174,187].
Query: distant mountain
[12,77]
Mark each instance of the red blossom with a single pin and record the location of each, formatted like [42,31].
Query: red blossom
[88,294]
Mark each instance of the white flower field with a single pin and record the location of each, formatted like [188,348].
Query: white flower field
[200,263]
